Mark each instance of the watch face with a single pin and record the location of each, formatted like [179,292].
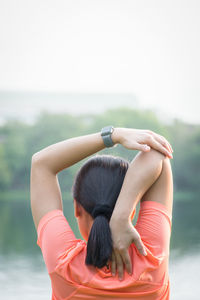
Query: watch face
[107,130]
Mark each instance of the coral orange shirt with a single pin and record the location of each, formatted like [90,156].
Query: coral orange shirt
[71,278]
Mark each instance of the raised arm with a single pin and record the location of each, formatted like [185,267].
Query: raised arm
[45,189]
[143,172]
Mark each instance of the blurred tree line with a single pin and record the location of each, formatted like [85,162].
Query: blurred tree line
[19,141]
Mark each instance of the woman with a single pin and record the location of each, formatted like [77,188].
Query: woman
[118,261]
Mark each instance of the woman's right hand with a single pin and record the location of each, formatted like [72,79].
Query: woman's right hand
[143,140]
[123,235]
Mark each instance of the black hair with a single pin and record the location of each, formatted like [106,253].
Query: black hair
[98,184]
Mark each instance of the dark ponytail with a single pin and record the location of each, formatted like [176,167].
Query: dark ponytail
[99,245]
[96,187]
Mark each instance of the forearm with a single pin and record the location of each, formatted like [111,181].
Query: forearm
[141,174]
[64,154]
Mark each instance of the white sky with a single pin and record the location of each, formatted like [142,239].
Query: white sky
[148,48]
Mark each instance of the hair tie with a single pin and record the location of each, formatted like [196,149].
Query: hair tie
[102,209]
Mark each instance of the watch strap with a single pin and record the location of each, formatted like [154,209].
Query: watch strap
[106,135]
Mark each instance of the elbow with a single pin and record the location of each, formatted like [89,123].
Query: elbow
[154,155]
[158,159]
[40,161]
[153,160]
[36,159]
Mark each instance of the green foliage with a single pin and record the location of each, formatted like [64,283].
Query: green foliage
[19,141]
[5,174]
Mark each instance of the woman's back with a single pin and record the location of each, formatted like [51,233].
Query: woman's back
[71,278]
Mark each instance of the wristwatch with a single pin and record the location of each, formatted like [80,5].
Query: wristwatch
[106,135]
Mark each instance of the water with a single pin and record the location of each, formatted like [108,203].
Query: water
[23,277]
[184,275]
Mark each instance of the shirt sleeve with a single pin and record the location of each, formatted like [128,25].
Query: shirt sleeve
[154,226]
[54,237]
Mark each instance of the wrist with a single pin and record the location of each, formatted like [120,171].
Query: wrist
[119,215]
[116,135]
[118,220]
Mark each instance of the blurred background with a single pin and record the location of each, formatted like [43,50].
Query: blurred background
[68,68]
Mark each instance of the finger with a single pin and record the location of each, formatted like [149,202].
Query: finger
[163,149]
[167,143]
[113,264]
[127,261]
[164,142]
[120,266]
[142,147]
[161,139]
[158,146]
[140,246]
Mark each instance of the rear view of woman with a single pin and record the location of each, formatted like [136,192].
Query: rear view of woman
[116,259]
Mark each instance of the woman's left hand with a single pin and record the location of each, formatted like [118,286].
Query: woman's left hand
[123,235]
[142,140]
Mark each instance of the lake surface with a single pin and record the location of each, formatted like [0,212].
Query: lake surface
[23,277]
